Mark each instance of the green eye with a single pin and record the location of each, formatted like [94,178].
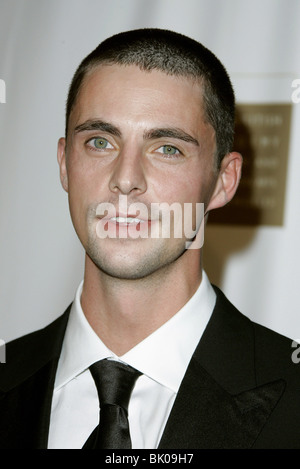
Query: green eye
[169,150]
[100,143]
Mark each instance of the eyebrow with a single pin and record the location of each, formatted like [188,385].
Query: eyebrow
[168,132]
[98,125]
[171,132]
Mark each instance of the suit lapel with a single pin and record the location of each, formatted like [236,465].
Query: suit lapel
[26,387]
[205,416]
[219,403]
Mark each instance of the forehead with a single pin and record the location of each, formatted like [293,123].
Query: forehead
[118,90]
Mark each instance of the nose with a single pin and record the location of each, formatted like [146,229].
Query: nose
[128,174]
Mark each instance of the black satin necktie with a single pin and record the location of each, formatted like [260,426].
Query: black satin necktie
[114,381]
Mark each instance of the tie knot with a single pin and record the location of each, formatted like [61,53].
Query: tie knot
[114,381]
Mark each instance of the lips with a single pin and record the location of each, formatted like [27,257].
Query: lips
[123,226]
[127,220]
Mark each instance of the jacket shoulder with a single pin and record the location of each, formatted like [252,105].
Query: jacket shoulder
[256,354]
[275,354]
[28,353]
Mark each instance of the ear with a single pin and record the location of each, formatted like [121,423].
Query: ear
[61,158]
[227,181]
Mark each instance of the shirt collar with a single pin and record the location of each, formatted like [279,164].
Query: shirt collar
[163,356]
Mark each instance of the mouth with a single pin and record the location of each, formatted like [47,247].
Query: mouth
[123,226]
[127,221]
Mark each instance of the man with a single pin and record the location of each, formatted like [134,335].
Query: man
[149,131]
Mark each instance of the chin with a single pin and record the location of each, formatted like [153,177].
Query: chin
[136,265]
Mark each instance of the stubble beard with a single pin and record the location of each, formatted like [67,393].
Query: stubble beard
[123,262]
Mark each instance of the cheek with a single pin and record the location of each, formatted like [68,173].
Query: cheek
[77,188]
[84,180]
[79,195]
[185,188]
[201,183]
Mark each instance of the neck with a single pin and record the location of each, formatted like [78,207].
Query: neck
[124,312]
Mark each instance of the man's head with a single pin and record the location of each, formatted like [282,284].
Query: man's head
[146,118]
[173,54]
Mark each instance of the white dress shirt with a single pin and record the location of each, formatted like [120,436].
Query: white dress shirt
[162,358]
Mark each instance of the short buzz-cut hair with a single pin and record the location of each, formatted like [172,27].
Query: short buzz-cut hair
[173,54]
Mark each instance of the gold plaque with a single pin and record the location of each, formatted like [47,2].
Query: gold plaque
[262,137]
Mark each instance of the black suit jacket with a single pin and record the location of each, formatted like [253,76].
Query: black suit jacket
[241,389]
